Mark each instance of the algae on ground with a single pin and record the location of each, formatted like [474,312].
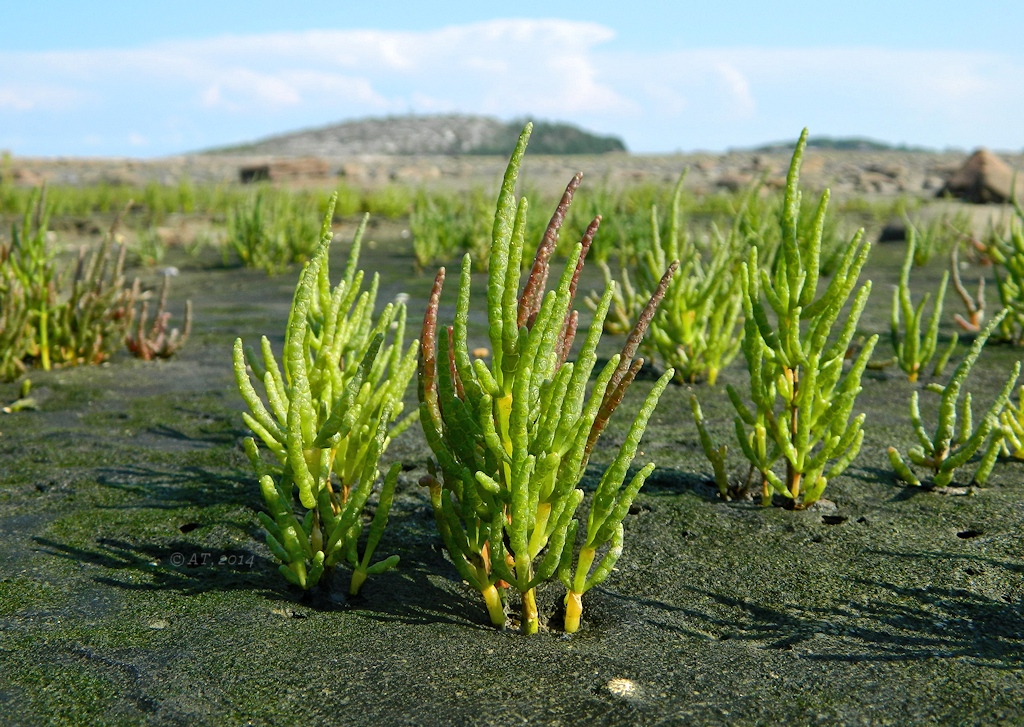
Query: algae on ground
[898,606]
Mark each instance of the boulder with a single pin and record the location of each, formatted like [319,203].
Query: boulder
[895,231]
[984,177]
[285,170]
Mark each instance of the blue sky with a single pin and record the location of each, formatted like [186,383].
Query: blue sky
[150,79]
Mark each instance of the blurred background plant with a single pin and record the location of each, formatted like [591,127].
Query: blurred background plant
[912,351]
[53,317]
[1007,255]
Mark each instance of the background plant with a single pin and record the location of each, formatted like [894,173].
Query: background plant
[1007,255]
[695,329]
[953,446]
[272,232]
[154,340]
[912,351]
[801,401]
[937,237]
[15,331]
[973,305]
[51,320]
[446,227]
[329,416]
[150,246]
[1012,421]
[512,439]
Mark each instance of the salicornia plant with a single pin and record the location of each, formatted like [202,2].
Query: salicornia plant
[912,351]
[696,328]
[935,237]
[1012,421]
[512,439]
[327,419]
[802,402]
[953,446]
[974,305]
[271,231]
[47,322]
[157,341]
[15,329]
[1007,256]
[716,454]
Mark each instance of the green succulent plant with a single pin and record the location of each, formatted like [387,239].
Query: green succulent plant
[513,437]
[954,443]
[329,415]
[913,351]
[802,400]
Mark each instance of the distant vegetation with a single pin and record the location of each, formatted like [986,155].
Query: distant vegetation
[842,143]
[550,138]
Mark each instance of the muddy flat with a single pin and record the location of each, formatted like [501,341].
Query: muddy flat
[135,587]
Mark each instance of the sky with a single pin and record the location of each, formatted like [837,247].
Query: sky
[150,79]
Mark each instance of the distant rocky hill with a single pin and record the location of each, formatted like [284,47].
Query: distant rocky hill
[842,143]
[427,135]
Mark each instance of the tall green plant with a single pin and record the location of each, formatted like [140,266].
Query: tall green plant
[328,416]
[802,402]
[513,438]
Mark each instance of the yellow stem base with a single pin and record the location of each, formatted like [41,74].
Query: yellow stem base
[573,611]
[531,622]
[358,579]
[494,608]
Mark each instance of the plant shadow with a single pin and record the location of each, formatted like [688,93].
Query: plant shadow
[187,486]
[420,591]
[177,566]
[897,623]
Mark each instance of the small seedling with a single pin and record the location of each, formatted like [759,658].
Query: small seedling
[953,446]
[715,453]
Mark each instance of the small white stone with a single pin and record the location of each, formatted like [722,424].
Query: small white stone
[621,687]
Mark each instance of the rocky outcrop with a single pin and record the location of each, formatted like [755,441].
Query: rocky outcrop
[444,134]
[984,177]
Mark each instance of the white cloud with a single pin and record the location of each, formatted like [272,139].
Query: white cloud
[23,97]
[738,86]
[223,89]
